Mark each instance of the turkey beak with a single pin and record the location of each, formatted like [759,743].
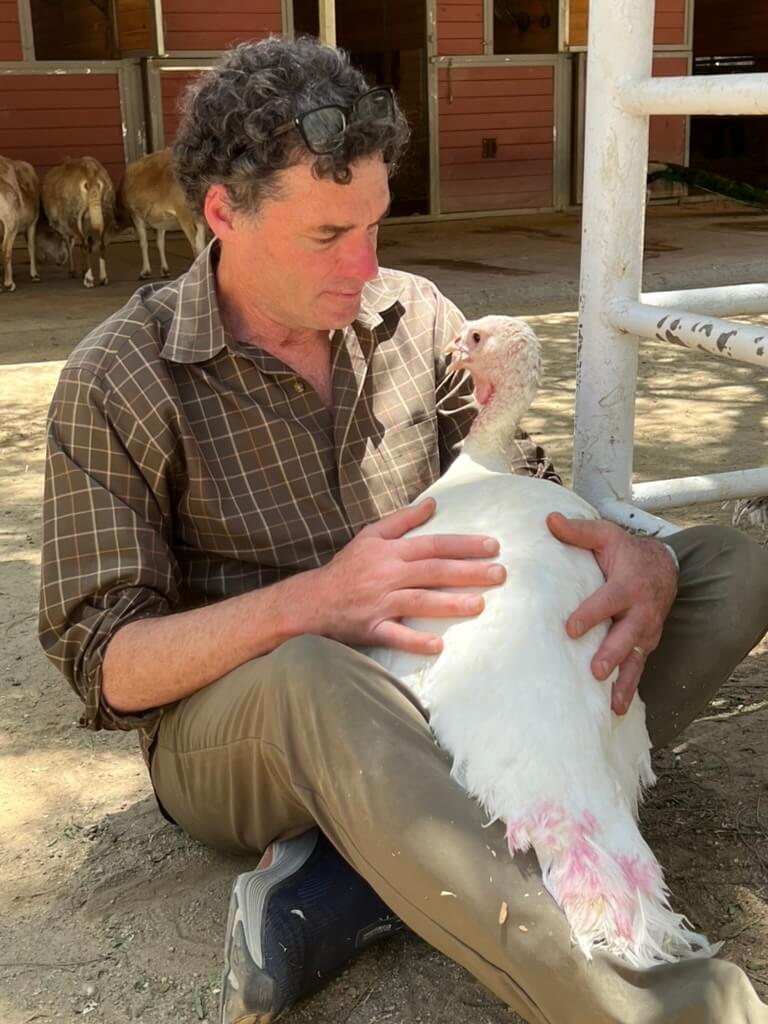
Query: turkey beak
[458,354]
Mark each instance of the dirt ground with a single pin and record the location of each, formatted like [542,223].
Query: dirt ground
[109,913]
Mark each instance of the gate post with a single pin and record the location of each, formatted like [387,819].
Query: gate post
[620,50]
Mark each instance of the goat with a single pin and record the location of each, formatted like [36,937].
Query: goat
[79,202]
[150,195]
[19,211]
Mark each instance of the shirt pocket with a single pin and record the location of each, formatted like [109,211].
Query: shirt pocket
[410,458]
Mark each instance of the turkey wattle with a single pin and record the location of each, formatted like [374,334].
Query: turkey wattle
[512,698]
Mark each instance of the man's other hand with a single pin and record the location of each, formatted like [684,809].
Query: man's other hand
[639,590]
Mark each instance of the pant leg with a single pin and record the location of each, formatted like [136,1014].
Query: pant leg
[315,732]
[721,612]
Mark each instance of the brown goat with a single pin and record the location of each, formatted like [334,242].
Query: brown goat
[19,211]
[79,202]
[150,196]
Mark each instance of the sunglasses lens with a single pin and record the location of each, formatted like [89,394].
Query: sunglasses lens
[323,128]
[376,105]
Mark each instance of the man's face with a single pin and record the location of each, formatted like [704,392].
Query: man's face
[304,258]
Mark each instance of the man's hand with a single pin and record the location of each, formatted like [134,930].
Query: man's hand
[381,576]
[639,589]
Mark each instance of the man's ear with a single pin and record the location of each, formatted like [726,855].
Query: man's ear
[218,212]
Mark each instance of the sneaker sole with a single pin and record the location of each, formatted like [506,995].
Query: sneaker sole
[247,991]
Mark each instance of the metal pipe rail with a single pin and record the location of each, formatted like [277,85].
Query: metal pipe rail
[655,495]
[725,338]
[635,519]
[732,300]
[659,495]
[704,94]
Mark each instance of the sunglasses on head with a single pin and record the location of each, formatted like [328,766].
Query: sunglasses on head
[322,129]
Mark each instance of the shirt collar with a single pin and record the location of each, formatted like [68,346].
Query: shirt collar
[379,296]
[197,334]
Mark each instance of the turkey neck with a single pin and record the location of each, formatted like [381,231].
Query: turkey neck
[491,440]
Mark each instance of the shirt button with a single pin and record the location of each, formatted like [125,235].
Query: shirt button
[299,387]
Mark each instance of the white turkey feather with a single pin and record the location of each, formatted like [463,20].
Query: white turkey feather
[513,700]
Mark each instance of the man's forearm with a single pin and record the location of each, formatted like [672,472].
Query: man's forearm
[157,661]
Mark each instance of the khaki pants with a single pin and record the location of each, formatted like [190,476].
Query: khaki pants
[316,733]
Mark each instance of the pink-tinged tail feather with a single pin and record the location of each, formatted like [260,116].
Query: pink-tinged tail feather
[614,902]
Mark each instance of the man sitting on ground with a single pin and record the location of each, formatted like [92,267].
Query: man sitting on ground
[230,457]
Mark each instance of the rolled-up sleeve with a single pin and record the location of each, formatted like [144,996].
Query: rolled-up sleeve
[106,557]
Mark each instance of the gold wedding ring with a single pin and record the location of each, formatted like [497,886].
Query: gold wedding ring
[638,650]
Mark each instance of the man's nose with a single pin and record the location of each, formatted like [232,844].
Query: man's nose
[360,260]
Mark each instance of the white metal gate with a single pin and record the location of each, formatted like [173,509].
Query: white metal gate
[613,315]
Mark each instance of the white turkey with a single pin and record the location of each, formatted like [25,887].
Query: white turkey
[512,698]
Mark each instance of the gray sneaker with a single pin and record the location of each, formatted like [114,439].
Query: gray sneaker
[292,926]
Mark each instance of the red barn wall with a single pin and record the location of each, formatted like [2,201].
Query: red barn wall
[46,118]
[10,34]
[514,105]
[194,25]
[460,27]
[669,23]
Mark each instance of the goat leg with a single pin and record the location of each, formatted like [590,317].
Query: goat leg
[141,232]
[103,278]
[31,232]
[8,239]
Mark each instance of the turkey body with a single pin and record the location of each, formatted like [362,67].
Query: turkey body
[512,699]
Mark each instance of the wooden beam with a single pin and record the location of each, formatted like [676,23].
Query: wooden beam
[328,21]
[26,31]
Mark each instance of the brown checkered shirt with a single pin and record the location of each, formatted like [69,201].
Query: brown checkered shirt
[184,467]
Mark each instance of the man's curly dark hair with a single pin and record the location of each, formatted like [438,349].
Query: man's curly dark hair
[230,113]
